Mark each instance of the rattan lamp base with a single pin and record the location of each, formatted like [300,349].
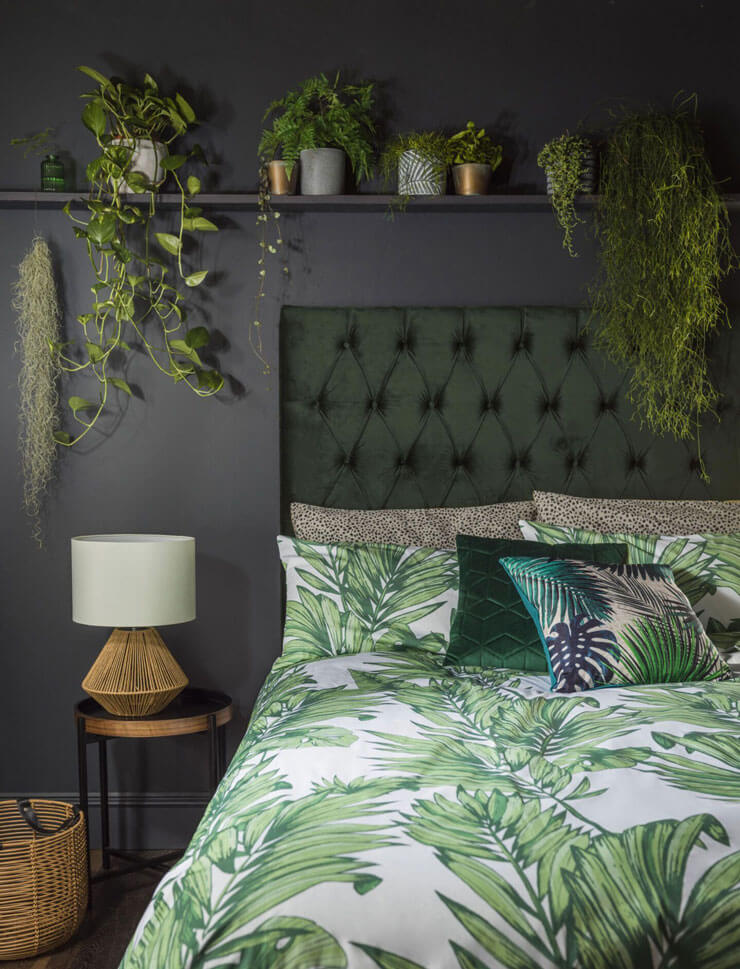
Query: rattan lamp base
[135,675]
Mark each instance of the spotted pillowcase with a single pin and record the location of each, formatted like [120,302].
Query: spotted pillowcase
[424,527]
[638,515]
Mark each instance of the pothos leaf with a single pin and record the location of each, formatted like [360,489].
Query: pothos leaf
[120,384]
[168,242]
[80,403]
[195,279]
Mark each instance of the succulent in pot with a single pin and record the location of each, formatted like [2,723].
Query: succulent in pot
[418,159]
[474,159]
[321,123]
[569,162]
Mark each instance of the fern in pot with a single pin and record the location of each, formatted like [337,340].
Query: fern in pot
[321,123]
[569,162]
[474,159]
[418,159]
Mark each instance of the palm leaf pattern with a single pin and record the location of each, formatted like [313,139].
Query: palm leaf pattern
[706,569]
[443,818]
[358,598]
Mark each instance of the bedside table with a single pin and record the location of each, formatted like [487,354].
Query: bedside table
[193,711]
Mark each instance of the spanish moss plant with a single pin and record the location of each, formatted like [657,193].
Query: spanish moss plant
[38,321]
[562,159]
[665,246]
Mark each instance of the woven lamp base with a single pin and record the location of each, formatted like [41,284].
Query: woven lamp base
[135,675]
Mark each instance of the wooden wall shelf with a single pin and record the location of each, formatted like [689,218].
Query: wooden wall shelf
[324,203]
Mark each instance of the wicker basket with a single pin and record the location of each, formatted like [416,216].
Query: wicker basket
[43,876]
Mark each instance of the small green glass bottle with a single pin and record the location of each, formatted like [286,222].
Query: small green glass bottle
[52,174]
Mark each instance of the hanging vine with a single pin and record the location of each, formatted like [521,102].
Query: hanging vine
[665,246]
[38,323]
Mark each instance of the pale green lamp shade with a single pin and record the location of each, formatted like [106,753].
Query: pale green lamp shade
[133,580]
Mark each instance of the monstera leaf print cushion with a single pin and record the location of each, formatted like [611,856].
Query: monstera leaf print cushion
[706,568]
[357,598]
[611,625]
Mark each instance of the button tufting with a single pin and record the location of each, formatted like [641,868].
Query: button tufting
[346,345]
[373,402]
[431,404]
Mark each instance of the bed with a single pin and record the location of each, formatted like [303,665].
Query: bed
[384,810]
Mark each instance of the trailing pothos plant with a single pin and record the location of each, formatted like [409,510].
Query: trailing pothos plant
[473,146]
[665,246]
[136,292]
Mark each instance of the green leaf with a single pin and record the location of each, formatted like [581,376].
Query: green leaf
[195,279]
[61,437]
[93,117]
[172,162]
[120,384]
[138,183]
[366,883]
[193,185]
[169,242]
[204,225]
[95,75]
[185,110]
[198,337]
[387,960]
[102,229]
[80,403]
[94,352]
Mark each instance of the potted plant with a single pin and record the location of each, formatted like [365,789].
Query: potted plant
[474,159]
[321,123]
[569,162]
[419,160]
[665,246]
[135,292]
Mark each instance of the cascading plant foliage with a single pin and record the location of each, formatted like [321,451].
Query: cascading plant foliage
[319,113]
[563,159]
[39,327]
[136,290]
[663,230]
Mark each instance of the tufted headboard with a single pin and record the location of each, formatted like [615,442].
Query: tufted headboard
[408,407]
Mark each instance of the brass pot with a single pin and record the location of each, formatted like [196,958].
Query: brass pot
[471,178]
[280,184]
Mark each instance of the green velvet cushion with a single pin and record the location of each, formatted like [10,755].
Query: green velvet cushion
[492,627]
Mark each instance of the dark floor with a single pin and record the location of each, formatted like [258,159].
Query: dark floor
[118,905]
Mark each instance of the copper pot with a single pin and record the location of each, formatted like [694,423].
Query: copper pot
[471,178]
[280,184]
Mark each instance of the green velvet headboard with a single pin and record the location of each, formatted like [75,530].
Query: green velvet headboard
[408,407]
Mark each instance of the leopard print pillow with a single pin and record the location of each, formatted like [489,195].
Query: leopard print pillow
[426,527]
[638,515]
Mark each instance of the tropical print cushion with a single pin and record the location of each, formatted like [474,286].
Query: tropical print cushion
[386,812]
[705,567]
[356,598]
[425,527]
[492,627]
[643,515]
[611,625]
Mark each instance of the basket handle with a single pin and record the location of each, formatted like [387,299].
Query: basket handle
[29,816]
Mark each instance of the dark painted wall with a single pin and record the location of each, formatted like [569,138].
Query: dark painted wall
[209,468]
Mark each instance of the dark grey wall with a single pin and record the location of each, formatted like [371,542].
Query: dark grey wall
[209,468]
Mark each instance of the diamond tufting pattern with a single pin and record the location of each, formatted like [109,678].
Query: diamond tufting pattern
[409,407]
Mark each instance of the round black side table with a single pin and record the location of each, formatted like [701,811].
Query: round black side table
[193,711]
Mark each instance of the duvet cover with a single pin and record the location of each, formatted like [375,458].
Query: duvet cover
[386,812]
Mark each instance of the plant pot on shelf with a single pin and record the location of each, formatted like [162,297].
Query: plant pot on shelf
[322,171]
[146,159]
[277,174]
[471,178]
[418,175]
[589,176]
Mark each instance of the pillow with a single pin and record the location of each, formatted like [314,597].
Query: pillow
[359,598]
[492,627]
[642,515]
[706,569]
[612,625]
[428,527]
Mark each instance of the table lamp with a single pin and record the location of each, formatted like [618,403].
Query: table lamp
[137,582]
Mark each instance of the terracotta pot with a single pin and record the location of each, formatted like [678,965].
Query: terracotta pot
[471,178]
[280,184]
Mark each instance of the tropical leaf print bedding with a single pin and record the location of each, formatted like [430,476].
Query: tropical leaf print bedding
[386,812]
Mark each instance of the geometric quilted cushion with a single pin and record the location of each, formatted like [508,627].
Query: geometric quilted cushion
[492,627]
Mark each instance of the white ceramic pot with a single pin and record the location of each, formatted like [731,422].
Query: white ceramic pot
[322,171]
[589,180]
[418,175]
[146,159]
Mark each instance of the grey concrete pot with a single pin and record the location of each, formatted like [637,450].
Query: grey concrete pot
[322,171]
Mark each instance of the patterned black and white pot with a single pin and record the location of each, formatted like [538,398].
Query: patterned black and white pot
[589,174]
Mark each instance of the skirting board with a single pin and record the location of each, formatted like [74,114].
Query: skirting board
[139,820]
